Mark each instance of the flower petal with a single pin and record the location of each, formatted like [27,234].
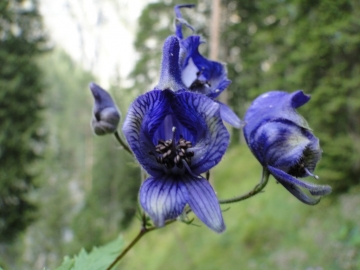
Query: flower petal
[163,198]
[144,116]
[200,74]
[272,106]
[180,21]
[282,177]
[204,203]
[170,76]
[300,195]
[102,98]
[201,116]
[229,116]
[280,144]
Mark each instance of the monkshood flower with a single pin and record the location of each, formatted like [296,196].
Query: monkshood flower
[176,136]
[282,141]
[199,74]
[106,115]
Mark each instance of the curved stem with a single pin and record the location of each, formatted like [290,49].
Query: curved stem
[123,253]
[258,188]
[142,232]
[122,143]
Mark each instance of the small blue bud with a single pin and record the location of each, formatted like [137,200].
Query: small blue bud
[106,115]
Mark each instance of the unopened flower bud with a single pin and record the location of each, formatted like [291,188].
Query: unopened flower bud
[106,115]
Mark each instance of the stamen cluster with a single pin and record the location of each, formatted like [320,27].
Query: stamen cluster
[171,155]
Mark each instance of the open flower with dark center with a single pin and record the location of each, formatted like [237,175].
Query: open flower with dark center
[176,136]
[199,74]
[106,115]
[282,141]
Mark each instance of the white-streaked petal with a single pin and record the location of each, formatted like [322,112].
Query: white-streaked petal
[163,198]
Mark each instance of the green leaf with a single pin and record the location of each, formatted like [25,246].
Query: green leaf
[98,259]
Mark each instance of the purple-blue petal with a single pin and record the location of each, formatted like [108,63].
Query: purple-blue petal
[163,198]
[144,116]
[204,203]
[299,194]
[102,98]
[201,116]
[180,20]
[275,105]
[200,74]
[229,116]
[170,75]
[283,177]
[279,143]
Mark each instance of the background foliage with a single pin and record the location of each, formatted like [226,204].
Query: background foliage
[21,137]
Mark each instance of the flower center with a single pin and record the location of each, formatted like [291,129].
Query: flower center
[171,154]
[299,169]
[198,83]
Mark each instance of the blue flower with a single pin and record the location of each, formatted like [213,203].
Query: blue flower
[176,135]
[282,141]
[106,115]
[199,74]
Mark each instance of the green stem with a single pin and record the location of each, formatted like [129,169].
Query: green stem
[123,253]
[258,188]
[122,143]
[142,232]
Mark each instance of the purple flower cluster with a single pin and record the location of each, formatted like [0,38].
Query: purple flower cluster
[176,133]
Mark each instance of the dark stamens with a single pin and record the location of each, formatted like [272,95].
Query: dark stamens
[171,154]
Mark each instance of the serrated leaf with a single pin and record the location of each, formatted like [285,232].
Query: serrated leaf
[98,259]
[67,264]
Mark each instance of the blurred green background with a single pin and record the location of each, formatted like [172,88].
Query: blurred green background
[62,188]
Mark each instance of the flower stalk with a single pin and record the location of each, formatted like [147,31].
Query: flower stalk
[257,189]
[122,143]
[141,233]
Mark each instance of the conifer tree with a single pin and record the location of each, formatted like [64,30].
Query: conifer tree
[21,139]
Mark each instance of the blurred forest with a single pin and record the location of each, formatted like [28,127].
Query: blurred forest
[62,188]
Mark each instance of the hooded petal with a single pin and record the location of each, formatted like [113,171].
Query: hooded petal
[145,115]
[170,75]
[282,177]
[163,198]
[106,115]
[200,74]
[204,203]
[201,117]
[279,143]
[275,105]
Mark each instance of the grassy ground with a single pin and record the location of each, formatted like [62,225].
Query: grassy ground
[272,230]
